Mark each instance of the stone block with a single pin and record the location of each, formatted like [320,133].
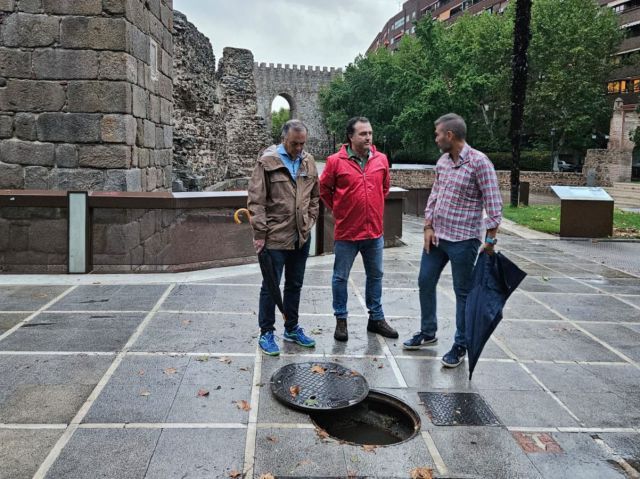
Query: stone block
[113,6]
[166,111]
[118,66]
[69,127]
[166,64]
[165,88]
[151,179]
[160,139]
[142,81]
[151,82]
[25,126]
[118,129]
[104,156]
[154,7]
[166,17]
[37,178]
[73,7]
[168,136]
[7,5]
[156,29]
[167,173]
[26,153]
[148,224]
[30,6]
[29,95]
[120,239]
[167,40]
[99,96]
[134,182]
[15,63]
[82,179]
[136,14]
[11,176]
[140,101]
[138,43]
[153,108]
[6,126]
[65,64]
[139,132]
[149,134]
[48,236]
[66,156]
[28,30]
[144,157]
[94,32]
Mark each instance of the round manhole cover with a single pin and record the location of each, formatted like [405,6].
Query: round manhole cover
[318,386]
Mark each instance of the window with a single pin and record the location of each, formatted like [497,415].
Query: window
[399,23]
[613,87]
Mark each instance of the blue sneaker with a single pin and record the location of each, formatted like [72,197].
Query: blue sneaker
[297,336]
[454,357]
[419,340]
[267,343]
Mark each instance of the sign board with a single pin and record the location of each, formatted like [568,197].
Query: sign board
[587,193]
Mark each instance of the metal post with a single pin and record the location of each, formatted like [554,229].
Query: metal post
[79,232]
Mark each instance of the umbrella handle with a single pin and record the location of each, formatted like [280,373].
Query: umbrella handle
[236,215]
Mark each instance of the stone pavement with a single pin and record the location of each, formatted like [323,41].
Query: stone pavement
[100,375]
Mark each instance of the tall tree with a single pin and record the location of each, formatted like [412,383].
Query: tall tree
[521,36]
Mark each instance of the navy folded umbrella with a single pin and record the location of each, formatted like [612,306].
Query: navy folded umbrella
[495,277]
[270,279]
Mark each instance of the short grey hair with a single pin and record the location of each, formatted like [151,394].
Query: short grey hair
[453,123]
[295,125]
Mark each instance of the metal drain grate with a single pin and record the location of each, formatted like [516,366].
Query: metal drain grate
[318,386]
[458,409]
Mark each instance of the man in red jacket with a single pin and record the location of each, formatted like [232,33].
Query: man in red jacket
[353,185]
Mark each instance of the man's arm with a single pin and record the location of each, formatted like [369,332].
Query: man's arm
[256,201]
[314,202]
[327,184]
[386,182]
[492,199]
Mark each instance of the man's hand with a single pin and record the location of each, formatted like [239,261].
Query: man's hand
[429,239]
[258,244]
[488,248]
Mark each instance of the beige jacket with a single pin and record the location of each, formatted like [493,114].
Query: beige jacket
[281,210]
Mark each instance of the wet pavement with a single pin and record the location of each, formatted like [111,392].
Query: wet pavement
[158,376]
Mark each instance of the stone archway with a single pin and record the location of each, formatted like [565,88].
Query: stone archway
[300,86]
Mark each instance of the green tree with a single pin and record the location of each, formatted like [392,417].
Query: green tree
[278,119]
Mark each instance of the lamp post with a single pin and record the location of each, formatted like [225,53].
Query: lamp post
[554,156]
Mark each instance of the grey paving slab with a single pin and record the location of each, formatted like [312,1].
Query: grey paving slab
[209,332]
[483,452]
[589,307]
[91,453]
[9,320]
[42,404]
[581,457]
[196,297]
[197,453]
[73,332]
[396,460]
[22,451]
[622,337]
[301,453]
[568,378]
[111,298]
[528,409]
[629,286]
[28,298]
[536,284]
[632,299]
[315,300]
[52,370]
[556,340]
[520,306]
[626,445]
[390,279]
[618,377]
[601,271]
[537,270]
[603,409]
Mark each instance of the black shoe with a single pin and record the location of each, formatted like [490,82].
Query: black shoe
[382,328]
[454,357]
[341,333]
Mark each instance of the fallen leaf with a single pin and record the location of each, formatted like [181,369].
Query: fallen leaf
[242,404]
[421,473]
[322,434]
[294,391]
[369,448]
[244,369]
[170,371]
[351,474]
[545,278]
[316,331]
[318,369]
[259,384]
[272,439]
[141,372]
[202,359]
[267,476]
[225,360]
[203,393]
[355,373]
[145,393]
[186,322]
[380,366]
[235,474]
[375,360]
[304,463]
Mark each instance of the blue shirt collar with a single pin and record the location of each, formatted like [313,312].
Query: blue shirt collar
[282,152]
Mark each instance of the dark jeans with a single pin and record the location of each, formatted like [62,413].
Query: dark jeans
[293,263]
[462,255]
[345,253]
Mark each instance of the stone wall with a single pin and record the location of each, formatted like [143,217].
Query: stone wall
[300,85]
[624,121]
[608,166]
[84,104]
[539,181]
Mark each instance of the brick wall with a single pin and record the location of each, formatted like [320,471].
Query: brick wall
[83,102]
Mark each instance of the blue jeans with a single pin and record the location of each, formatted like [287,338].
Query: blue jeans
[345,253]
[463,255]
[293,262]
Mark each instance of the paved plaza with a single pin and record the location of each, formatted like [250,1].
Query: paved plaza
[144,376]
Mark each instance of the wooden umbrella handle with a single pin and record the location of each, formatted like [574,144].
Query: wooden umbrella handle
[236,215]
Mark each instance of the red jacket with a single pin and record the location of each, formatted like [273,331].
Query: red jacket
[356,198]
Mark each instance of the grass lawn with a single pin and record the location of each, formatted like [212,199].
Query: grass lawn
[546,218]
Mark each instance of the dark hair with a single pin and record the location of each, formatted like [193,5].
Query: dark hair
[453,123]
[352,123]
[295,125]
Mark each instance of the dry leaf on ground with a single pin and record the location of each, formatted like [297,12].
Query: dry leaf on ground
[202,359]
[318,369]
[186,322]
[294,391]
[141,372]
[322,434]
[369,448]
[244,368]
[267,476]
[242,404]
[170,371]
[203,393]
[272,439]
[380,366]
[421,473]
[225,360]
[235,474]
[145,393]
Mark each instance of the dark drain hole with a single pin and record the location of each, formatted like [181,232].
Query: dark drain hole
[381,419]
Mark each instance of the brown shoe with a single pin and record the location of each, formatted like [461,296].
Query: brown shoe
[341,333]
[382,328]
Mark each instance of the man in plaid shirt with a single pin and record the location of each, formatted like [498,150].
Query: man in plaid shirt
[465,183]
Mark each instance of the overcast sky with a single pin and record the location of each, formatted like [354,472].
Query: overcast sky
[302,32]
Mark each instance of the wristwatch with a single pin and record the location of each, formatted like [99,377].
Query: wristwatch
[490,240]
[427,227]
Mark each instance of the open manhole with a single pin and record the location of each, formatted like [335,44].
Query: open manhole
[380,419]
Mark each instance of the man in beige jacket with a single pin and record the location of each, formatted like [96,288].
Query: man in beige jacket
[283,200]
